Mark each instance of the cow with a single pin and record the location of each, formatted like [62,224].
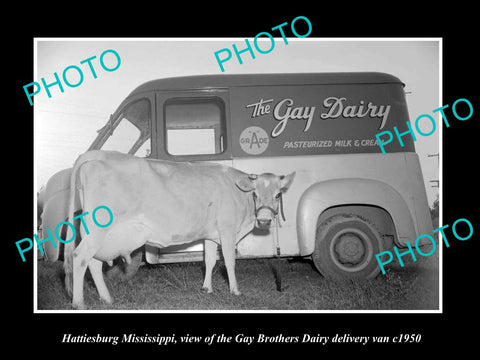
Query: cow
[163,203]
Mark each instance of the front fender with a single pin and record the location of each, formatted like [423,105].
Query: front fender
[323,195]
[55,209]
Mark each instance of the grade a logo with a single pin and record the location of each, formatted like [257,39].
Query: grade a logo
[254,140]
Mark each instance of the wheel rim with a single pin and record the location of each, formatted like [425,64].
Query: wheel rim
[351,250]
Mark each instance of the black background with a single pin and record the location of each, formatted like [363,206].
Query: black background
[455,329]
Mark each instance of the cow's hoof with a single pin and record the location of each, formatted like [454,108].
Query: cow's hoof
[207,290]
[79,306]
[235,292]
[107,300]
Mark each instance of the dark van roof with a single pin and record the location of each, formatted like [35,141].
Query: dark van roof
[227,81]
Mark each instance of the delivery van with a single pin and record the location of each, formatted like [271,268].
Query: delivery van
[348,201]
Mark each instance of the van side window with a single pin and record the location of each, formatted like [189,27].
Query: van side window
[130,131]
[195,126]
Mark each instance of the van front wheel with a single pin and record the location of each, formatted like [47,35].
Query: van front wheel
[345,248]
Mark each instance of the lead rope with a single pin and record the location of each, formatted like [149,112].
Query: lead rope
[279,224]
[281,207]
[278,276]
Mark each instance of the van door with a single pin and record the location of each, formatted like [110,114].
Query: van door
[191,126]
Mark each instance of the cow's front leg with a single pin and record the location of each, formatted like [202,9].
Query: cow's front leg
[210,260]
[228,250]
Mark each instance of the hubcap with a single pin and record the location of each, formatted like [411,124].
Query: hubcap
[351,250]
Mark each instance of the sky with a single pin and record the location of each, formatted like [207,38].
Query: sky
[67,123]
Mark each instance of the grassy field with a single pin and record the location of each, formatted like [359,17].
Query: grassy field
[178,287]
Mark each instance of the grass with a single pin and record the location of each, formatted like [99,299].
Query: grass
[178,287]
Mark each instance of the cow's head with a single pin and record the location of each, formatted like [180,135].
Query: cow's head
[267,192]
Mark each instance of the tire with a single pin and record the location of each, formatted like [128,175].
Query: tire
[345,248]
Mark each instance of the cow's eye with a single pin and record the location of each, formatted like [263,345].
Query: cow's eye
[278,195]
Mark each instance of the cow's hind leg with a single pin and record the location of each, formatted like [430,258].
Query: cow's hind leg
[82,256]
[95,267]
[228,251]
[210,260]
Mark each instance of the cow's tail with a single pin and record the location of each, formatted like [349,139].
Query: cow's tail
[72,206]
[70,246]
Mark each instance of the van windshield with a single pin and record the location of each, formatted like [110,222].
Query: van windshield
[130,131]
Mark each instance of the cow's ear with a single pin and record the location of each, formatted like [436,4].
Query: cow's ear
[246,183]
[286,181]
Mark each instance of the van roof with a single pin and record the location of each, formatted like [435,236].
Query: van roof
[226,81]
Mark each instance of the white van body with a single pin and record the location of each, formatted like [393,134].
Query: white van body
[348,201]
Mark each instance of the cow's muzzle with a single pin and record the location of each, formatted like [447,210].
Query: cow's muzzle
[265,222]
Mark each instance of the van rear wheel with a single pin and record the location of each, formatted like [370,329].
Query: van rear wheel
[345,248]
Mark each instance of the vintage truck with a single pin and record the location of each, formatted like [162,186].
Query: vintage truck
[348,201]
